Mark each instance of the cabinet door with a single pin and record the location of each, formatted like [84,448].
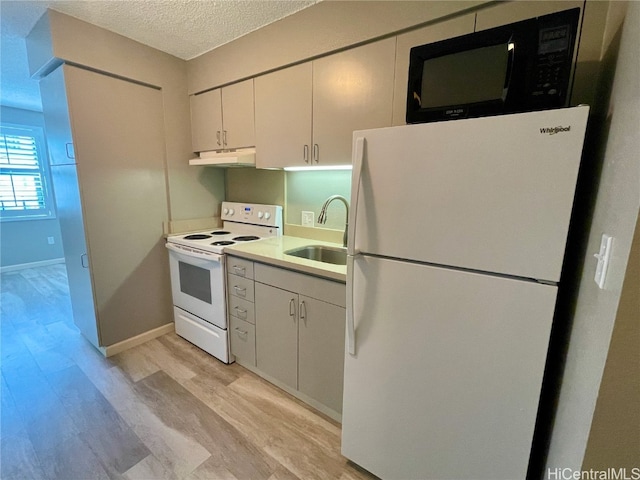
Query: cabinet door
[277,333]
[119,136]
[242,336]
[69,209]
[321,351]
[206,121]
[283,117]
[55,110]
[432,33]
[238,115]
[352,90]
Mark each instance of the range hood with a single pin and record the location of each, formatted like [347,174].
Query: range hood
[242,157]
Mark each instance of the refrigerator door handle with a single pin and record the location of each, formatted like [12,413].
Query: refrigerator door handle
[358,160]
[351,328]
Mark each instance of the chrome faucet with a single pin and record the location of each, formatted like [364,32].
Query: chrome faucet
[322,218]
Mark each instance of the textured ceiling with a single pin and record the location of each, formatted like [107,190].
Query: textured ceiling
[184,28]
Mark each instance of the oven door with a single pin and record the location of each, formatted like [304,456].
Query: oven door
[197,283]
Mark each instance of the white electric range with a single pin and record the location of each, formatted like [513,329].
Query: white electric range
[198,270]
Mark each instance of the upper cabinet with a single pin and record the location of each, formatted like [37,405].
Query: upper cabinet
[433,33]
[223,118]
[283,117]
[352,90]
[306,115]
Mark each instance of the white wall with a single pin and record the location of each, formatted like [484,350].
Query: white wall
[616,212]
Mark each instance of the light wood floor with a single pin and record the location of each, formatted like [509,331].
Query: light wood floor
[162,410]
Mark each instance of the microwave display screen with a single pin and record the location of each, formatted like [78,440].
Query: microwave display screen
[554,40]
[470,76]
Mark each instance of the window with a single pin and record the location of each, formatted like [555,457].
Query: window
[23,174]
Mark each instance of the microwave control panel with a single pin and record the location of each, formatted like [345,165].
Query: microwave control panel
[552,65]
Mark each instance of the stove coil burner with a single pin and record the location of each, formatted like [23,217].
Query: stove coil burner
[197,236]
[246,238]
[223,243]
[220,232]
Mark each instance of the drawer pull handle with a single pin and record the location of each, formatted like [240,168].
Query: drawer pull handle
[239,270]
[239,331]
[240,311]
[240,291]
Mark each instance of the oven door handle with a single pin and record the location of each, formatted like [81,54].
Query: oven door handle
[212,257]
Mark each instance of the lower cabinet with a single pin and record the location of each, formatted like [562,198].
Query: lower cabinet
[321,351]
[243,340]
[277,333]
[298,337]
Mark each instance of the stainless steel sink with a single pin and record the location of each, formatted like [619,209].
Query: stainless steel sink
[321,253]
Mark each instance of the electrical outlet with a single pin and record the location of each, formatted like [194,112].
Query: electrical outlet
[307,219]
[51,240]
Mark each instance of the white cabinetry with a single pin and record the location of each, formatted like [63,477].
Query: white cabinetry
[240,302]
[223,118]
[300,328]
[277,333]
[283,117]
[290,328]
[111,200]
[306,114]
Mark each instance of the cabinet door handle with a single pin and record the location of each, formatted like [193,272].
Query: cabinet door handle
[316,152]
[240,270]
[305,154]
[218,138]
[70,151]
[240,311]
[303,311]
[224,138]
[240,291]
[292,307]
[84,260]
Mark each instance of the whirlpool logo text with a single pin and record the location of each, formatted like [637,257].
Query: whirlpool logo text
[554,130]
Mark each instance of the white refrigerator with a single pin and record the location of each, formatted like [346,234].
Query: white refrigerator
[457,234]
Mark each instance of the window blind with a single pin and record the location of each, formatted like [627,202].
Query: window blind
[22,185]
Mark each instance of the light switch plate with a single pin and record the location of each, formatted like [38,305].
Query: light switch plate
[603,259]
[307,219]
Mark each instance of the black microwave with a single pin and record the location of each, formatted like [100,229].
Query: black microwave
[520,67]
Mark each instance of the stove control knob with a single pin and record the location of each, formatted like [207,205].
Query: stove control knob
[267,215]
[231,211]
[225,211]
[260,214]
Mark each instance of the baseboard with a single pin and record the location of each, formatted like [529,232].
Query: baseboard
[137,340]
[22,266]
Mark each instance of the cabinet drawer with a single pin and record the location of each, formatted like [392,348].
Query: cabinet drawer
[242,309]
[240,267]
[314,287]
[243,340]
[240,287]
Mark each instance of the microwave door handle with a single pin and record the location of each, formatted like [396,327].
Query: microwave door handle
[511,47]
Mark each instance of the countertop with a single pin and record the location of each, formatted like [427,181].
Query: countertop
[271,251]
